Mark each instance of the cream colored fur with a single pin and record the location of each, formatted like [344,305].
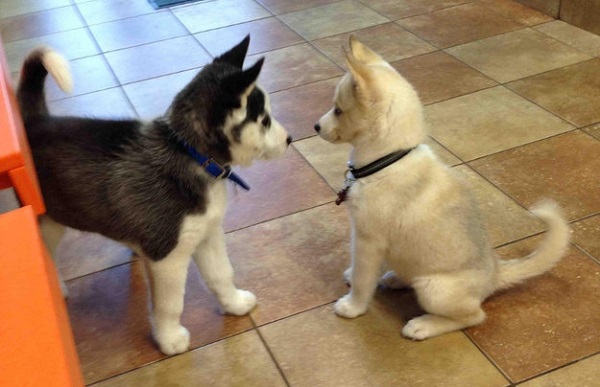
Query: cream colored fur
[417,216]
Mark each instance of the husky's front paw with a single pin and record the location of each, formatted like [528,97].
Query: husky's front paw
[173,341]
[344,307]
[241,304]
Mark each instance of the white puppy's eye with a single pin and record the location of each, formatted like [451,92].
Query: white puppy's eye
[337,111]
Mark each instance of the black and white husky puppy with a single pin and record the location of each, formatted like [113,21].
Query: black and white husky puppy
[159,186]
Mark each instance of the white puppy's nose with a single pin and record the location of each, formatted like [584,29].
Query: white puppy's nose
[288,140]
[317,127]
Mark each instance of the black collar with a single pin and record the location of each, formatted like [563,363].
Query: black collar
[378,164]
[352,174]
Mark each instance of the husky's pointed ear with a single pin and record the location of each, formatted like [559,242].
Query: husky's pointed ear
[236,55]
[360,76]
[364,53]
[241,83]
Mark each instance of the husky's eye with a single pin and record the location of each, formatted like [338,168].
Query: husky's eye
[266,122]
[337,111]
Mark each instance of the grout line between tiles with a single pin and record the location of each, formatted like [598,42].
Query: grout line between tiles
[487,356]
[553,370]
[590,256]
[271,354]
[101,52]
[168,357]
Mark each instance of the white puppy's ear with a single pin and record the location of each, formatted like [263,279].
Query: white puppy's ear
[364,53]
[360,76]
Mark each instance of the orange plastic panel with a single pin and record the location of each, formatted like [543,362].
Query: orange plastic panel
[37,344]
[14,148]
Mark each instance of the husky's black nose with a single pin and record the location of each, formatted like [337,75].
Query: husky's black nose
[317,127]
[289,140]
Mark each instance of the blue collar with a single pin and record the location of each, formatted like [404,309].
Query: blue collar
[215,169]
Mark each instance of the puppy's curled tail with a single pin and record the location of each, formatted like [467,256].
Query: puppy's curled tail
[30,91]
[550,251]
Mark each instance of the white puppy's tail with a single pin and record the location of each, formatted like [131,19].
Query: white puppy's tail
[30,91]
[550,251]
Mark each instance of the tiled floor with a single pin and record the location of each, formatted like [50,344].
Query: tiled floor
[513,101]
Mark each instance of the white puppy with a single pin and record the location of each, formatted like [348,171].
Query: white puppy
[413,213]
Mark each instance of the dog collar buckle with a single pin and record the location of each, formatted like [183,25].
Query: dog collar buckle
[215,169]
[343,193]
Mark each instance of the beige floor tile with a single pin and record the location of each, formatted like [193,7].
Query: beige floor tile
[573,36]
[458,25]
[594,130]
[89,75]
[241,360]
[266,34]
[160,58]
[293,263]
[504,219]
[80,253]
[102,11]
[565,168]
[294,66]
[278,188]
[209,15]
[138,30]
[399,9]
[471,127]
[518,12]
[389,40]
[39,23]
[70,44]
[331,160]
[571,92]
[317,348]
[10,8]
[109,317]
[332,19]
[299,108]
[152,97]
[279,7]
[580,374]
[586,234]
[439,76]
[545,322]
[109,103]
[517,55]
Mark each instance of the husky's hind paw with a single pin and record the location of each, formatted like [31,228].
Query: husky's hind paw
[241,304]
[344,307]
[173,341]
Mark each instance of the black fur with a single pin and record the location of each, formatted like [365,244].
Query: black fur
[130,181]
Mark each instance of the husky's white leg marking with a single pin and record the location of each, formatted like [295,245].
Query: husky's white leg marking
[213,263]
[167,279]
[52,233]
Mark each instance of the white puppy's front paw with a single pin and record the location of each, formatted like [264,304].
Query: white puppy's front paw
[173,341]
[242,303]
[419,328]
[344,307]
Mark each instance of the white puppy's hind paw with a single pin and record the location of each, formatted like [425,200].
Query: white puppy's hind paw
[173,341]
[344,307]
[348,275]
[391,281]
[419,328]
[243,302]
